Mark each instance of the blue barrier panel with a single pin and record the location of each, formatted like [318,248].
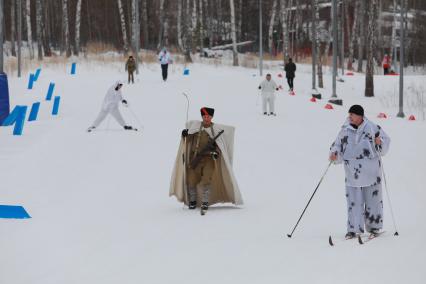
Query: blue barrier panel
[186,71]
[73,67]
[31,81]
[37,73]
[20,120]
[50,91]
[11,118]
[4,98]
[56,105]
[34,111]
[13,212]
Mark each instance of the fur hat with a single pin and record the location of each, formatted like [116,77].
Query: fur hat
[207,110]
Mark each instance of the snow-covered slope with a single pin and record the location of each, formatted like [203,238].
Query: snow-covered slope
[100,207]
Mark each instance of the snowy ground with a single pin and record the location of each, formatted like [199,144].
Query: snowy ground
[100,207]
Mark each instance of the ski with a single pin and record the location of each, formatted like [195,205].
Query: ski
[369,238]
[331,242]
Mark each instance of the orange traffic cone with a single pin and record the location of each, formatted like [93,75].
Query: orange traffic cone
[382,115]
[328,106]
[313,99]
[412,117]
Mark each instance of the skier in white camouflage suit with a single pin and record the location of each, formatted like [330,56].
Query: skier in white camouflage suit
[358,145]
[268,88]
[110,106]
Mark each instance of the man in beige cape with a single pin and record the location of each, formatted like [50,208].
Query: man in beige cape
[212,180]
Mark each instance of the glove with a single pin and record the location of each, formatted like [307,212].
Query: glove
[259,87]
[184,133]
[215,155]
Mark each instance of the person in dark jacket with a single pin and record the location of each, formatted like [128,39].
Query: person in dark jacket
[290,70]
[130,68]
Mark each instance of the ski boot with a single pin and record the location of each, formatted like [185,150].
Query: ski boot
[192,205]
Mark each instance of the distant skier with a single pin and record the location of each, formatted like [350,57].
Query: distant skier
[207,164]
[386,63]
[165,60]
[110,106]
[268,88]
[131,68]
[359,144]
[290,70]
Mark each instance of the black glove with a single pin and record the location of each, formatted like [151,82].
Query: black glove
[124,102]
[259,87]
[215,155]
[184,132]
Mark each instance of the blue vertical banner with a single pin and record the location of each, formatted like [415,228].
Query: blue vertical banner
[20,120]
[50,91]
[55,109]
[73,68]
[37,73]
[34,111]
[4,98]
[31,81]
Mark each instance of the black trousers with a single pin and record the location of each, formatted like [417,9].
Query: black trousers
[164,68]
[131,77]
[290,82]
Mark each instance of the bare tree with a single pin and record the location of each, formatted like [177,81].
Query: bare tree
[161,25]
[39,23]
[65,27]
[320,48]
[46,33]
[1,35]
[361,34]
[352,34]
[271,25]
[194,25]
[179,25]
[233,33]
[201,25]
[284,14]
[29,34]
[145,22]
[13,26]
[369,81]
[77,27]
[123,26]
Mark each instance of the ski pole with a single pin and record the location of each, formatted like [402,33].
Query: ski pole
[184,154]
[386,187]
[291,234]
[136,118]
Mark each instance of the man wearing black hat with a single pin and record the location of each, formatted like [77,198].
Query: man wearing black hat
[207,152]
[360,144]
[290,70]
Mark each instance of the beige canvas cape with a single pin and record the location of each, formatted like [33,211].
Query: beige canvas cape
[224,185]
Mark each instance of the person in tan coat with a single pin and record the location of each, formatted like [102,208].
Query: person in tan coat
[205,177]
[131,68]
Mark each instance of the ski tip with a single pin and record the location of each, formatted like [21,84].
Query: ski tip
[289,236]
[330,241]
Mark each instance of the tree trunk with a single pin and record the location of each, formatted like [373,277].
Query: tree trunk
[179,26]
[39,23]
[66,28]
[77,27]
[161,25]
[319,47]
[29,34]
[394,55]
[13,26]
[352,34]
[284,28]
[46,31]
[240,20]
[188,33]
[123,26]
[233,33]
[369,81]
[209,22]
[271,26]
[194,25]
[145,23]
[201,32]
[361,40]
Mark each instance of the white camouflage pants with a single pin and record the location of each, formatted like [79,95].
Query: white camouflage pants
[268,100]
[114,112]
[365,208]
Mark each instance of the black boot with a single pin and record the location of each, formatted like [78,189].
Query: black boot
[192,204]
[205,206]
[127,127]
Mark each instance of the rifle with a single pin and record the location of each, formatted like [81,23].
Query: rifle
[210,145]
